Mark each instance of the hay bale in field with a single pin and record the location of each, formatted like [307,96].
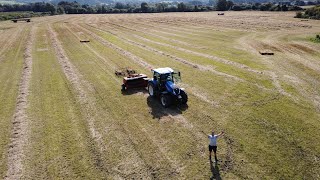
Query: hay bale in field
[84,41]
[22,19]
[266,52]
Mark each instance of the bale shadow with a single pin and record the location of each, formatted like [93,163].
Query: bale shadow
[158,111]
[134,91]
[215,171]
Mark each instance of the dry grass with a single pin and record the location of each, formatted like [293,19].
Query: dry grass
[83,127]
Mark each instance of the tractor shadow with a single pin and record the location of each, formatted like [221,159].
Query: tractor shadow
[158,111]
[215,171]
[142,91]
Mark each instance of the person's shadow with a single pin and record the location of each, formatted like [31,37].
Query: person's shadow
[215,170]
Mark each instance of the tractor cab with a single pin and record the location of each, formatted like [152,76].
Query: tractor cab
[163,75]
[163,85]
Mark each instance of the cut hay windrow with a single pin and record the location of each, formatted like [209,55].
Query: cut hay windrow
[135,58]
[20,130]
[193,65]
[78,83]
[108,63]
[118,49]
[197,66]
[143,167]
[235,64]
[80,125]
[90,112]
[138,29]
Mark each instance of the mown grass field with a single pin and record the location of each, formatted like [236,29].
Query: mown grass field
[63,116]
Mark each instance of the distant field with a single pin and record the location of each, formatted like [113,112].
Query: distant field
[63,116]
[10,2]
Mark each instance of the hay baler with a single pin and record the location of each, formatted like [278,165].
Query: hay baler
[134,81]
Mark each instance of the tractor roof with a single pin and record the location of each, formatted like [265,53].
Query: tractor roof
[165,70]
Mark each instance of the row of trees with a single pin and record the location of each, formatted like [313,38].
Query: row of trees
[265,7]
[310,13]
[224,5]
[76,8]
[24,14]
[35,7]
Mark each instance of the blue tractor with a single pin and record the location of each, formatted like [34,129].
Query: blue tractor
[162,85]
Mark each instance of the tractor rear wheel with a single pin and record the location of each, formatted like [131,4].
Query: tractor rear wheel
[166,100]
[123,87]
[151,90]
[184,97]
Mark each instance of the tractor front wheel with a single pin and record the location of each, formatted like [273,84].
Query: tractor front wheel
[184,97]
[166,100]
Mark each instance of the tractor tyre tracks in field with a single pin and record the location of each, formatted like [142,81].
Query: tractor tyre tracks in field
[105,61]
[217,59]
[273,76]
[90,111]
[194,65]
[175,164]
[10,40]
[20,129]
[144,31]
[144,64]
[297,80]
[74,78]
[178,118]
[135,58]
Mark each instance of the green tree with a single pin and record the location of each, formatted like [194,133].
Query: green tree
[222,5]
[229,5]
[144,7]
[211,2]
[182,7]
[284,8]
[119,5]
[160,7]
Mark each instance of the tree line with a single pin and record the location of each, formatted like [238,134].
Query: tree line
[310,13]
[65,7]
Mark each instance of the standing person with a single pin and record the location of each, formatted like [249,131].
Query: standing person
[213,144]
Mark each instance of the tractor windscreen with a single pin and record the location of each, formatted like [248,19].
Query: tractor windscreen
[166,77]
